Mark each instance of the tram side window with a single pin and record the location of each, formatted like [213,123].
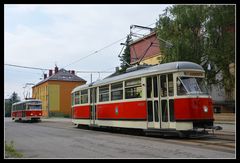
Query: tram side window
[77,98]
[104,93]
[156,111]
[117,91]
[163,85]
[84,96]
[155,86]
[133,89]
[170,84]
[164,111]
[171,110]
[150,111]
[149,87]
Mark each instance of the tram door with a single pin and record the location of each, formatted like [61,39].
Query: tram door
[93,98]
[153,102]
[166,101]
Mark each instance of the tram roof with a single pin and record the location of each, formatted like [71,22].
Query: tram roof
[161,68]
[26,101]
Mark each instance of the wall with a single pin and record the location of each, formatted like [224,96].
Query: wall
[139,48]
[64,99]
[41,92]
[56,95]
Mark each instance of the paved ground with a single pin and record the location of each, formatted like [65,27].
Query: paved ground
[57,138]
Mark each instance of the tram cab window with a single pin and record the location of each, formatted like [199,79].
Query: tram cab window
[133,88]
[77,98]
[191,85]
[117,91]
[180,88]
[104,93]
[34,107]
[84,96]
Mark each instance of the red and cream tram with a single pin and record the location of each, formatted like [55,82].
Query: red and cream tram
[27,110]
[166,98]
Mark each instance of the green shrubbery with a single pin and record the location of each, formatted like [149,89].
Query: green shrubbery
[58,114]
[10,151]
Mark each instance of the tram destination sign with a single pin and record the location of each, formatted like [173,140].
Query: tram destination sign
[194,73]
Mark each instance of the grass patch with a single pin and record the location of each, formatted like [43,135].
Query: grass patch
[10,151]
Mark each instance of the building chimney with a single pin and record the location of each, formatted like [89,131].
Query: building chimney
[45,76]
[50,73]
[73,72]
[56,69]
[117,69]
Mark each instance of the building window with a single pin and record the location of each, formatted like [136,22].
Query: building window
[117,91]
[104,93]
[84,96]
[133,89]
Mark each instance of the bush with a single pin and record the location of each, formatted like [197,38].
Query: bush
[59,114]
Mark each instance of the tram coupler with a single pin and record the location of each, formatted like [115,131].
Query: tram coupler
[213,127]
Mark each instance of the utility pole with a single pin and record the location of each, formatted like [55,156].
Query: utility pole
[91,78]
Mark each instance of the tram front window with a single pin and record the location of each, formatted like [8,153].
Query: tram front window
[191,85]
[34,107]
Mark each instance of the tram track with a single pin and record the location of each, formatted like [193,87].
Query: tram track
[220,141]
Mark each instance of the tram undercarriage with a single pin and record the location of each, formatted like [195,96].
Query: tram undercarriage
[196,132]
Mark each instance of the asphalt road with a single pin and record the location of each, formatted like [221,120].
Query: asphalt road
[60,139]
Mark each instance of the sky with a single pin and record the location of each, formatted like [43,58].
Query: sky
[47,35]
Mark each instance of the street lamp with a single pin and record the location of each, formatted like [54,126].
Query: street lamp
[232,68]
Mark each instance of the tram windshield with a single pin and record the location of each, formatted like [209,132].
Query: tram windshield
[191,85]
[34,107]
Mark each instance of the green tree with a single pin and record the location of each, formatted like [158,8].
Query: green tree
[203,34]
[220,44]
[125,58]
[8,103]
[182,26]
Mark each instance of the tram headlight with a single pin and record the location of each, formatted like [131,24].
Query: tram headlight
[31,114]
[205,109]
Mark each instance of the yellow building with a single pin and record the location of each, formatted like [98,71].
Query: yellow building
[55,92]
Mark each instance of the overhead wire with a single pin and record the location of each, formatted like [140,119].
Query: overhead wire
[97,51]
[37,68]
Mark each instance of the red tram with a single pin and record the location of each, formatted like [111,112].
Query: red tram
[27,110]
[166,98]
